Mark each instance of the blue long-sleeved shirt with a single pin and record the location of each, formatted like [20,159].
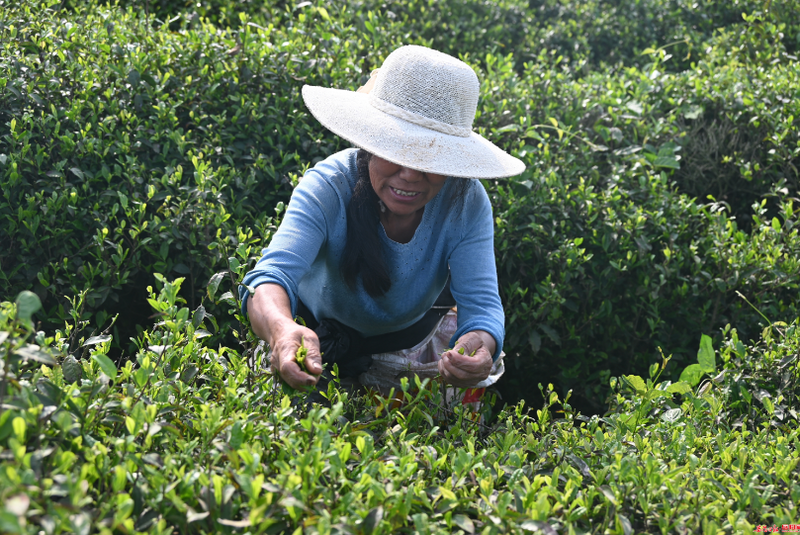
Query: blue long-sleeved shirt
[305,254]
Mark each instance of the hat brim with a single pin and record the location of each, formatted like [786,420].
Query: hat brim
[350,116]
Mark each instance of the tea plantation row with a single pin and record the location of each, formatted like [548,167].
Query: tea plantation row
[187,438]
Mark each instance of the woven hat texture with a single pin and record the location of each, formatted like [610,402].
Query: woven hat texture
[418,114]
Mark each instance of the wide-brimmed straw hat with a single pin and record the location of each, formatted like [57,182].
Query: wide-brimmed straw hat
[418,114]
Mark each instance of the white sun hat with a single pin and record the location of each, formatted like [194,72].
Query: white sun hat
[418,114]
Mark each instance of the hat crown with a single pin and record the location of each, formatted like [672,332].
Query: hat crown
[430,84]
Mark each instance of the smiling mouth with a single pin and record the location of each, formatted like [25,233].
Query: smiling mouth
[403,193]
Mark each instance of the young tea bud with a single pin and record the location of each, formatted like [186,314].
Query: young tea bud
[300,356]
[461,351]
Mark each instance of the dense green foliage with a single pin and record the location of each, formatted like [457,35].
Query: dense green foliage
[189,439]
[659,209]
[136,145]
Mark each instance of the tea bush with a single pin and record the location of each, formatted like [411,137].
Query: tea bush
[130,150]
[188,438]
[163,137]
[603,257]
[603,32]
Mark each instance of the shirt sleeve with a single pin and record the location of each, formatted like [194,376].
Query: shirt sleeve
[474,274]
[301,234]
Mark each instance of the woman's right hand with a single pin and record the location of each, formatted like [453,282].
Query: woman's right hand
[284,347]
[271,319]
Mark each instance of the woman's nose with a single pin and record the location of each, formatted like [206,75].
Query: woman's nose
[411,175]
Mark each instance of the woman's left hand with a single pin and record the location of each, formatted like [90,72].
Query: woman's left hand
[468,369]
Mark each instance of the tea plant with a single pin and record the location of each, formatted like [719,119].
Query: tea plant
[187,438]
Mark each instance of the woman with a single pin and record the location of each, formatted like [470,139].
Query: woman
[372,237]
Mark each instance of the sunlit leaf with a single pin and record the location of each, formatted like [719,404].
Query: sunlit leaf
[636,382]
[94,340]
[213,284]
[32,352]
[27,304]
[692,374]
[464,522]
[705,355]
[681,387]
[107,366]
[192,516]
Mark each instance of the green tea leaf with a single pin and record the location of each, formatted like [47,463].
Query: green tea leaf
[130,425]
[32,352]
[535,340]
[464,522]
[107,366]
[198,316]
[94,340]
[627,528]
[153,459]
[635,107]
[6,423]
[692,374]
[300,356]
[237,436]
[214,282]
[244,523]
[20,426]
[551,333]
[192,516]
[670,162]
[680,387]
[140,376]
[705,355]
[372,520]
[71,369]
[671,415]
[189,373]
[27,304]
[636,382]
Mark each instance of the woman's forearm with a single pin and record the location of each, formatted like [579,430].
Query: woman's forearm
[270,311]
[270,315]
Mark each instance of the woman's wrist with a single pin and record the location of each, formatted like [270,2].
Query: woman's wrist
[270,312]
[486,340]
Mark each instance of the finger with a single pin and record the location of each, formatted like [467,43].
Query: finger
[295,377]
[447,375]
[476,363]
[460,376]
[292,373]
[468,344]
[313,361]
[452,379]
[473,369]
[288,367]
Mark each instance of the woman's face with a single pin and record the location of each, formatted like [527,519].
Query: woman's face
[404,191]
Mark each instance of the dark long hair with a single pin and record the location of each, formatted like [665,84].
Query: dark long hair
[363,251]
